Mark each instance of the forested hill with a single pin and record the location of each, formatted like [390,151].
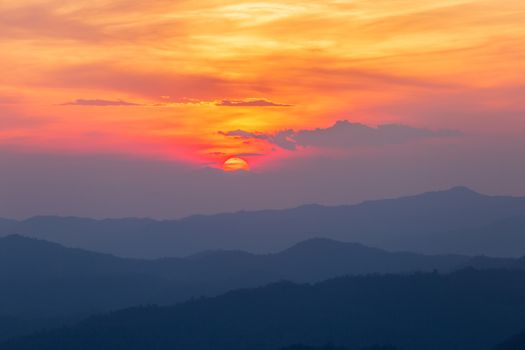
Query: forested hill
[469,310]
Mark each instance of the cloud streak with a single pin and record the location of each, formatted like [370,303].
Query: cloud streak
[250,103]
[100,103]
[344,134]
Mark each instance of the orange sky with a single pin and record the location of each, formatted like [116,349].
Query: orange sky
[163,78]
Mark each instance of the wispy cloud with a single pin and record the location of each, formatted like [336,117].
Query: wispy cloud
[247,102]
[147,83]
[344,134]
[250,103]
[43,21]
[99,103]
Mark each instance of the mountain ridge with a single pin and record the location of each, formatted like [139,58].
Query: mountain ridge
[418,223]
[42,279]
[356,311]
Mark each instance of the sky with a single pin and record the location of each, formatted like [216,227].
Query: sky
[162,108]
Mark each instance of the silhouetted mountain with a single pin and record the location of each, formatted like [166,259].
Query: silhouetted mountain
[468,310]
[331,347]
[12,327]
[515,342]
[455,221]
[47,279]
[20,257]
[6,224]
[518,263]
[483,262]
[505,237]
[45,284]
[318,259]
[42,279]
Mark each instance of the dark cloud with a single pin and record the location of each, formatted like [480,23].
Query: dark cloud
[250,155]
[245,134]
[250,103]
[223,154]
[345,134]
[98,102]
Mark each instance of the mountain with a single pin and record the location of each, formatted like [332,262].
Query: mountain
[13,327]
[331,347]
[42,279]
[504,237]
[482,262]
[458,220]
[49,280]
[515,342]
[468,310]
[45,283]
[318,259]
[7,224]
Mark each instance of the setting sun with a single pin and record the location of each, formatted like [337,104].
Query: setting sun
[235,163]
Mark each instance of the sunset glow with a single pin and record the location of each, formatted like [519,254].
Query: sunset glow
[175,80]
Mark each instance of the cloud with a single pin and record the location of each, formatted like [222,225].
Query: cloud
[250,155]
[94,22]
[223,154]
[345,134]
[218,154]
[98,102]
[151,84]
[245,134]
[250,103]
[30,21]
[184,100]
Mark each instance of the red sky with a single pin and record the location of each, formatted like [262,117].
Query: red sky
[195,82]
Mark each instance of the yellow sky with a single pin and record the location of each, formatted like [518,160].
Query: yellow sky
[161,78]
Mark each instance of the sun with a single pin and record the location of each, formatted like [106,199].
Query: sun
[235,164]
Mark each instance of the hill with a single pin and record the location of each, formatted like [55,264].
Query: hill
[458,220]
[49,280]
[332,347]
[515,342]
[467,310]
[504,237]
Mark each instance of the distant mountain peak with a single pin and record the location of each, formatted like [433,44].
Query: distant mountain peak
[453,192]
[463,189]
[17,238]
[319,245]
[207,254]
[20,241]
[318,241]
